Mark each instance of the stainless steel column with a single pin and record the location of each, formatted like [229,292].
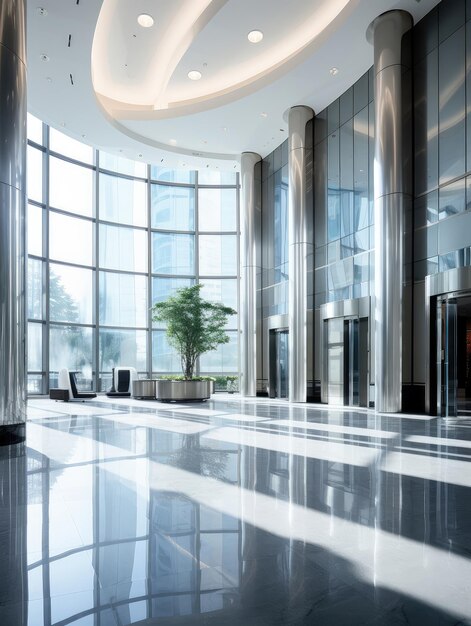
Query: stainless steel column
[12,219]
[391,193]
[250,261]
[298,250]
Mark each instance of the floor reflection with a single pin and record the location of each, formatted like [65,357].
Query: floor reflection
[234,513]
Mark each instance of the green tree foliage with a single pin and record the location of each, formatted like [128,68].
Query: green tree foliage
[194,325]
[61,304]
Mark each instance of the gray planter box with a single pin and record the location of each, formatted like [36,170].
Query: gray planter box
[144,389]
[183,390]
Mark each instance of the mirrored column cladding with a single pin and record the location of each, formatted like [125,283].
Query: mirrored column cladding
[299,248]
[12,220]
[250,271]
[392,197]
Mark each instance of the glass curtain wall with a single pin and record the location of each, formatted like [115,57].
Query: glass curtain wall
[109,237]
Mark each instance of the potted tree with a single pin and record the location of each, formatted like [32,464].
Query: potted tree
[194,326]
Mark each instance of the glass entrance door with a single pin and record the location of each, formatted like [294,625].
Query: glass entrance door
[279,372]
[447,379]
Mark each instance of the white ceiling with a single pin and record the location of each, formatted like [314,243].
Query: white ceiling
[130,91]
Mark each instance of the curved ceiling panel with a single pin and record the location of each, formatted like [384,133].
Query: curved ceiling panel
[133,65]
[139,70]
[97,75]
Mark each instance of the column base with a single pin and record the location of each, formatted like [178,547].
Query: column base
[12,434]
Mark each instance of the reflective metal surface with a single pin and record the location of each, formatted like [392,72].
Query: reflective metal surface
[250,268]
[12,218]
[299,249]
[235,512]
[12,27]
[183,389]
[359,307]
[392,152]
[144,388]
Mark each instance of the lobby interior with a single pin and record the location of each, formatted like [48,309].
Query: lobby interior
[309,168]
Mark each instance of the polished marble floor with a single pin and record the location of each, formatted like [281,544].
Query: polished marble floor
[232,513]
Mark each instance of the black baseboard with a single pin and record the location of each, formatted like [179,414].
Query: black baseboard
[11,434]
[262,394]
[413,398]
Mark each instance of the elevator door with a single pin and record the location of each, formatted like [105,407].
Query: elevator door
[346,361]
[279,374]
[351,377]
[447,365]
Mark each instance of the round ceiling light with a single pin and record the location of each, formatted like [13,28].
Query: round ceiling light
[194,75]
[334,71]
[145,20]
[255,36]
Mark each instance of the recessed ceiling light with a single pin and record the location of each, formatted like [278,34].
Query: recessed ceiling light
[173,142]
[49,79]
[194,75]
[333,71]
[224,128]
[255,36]
[44,57]
[140,155]
[263,114]
[63,124]
[42,11]
[145,20]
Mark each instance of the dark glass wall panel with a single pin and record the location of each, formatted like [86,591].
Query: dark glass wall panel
[451,80]
[320,193]
[468,96]
[426,35]
[360,94]
[346,178]
[451,16]
[333,112]
[426,123]
[346,106]
[451,199]
[360,170]
[320,126]
[333,187]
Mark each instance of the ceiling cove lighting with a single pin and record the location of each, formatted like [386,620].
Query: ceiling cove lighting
[194,75]
[145,20]
[255,36]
